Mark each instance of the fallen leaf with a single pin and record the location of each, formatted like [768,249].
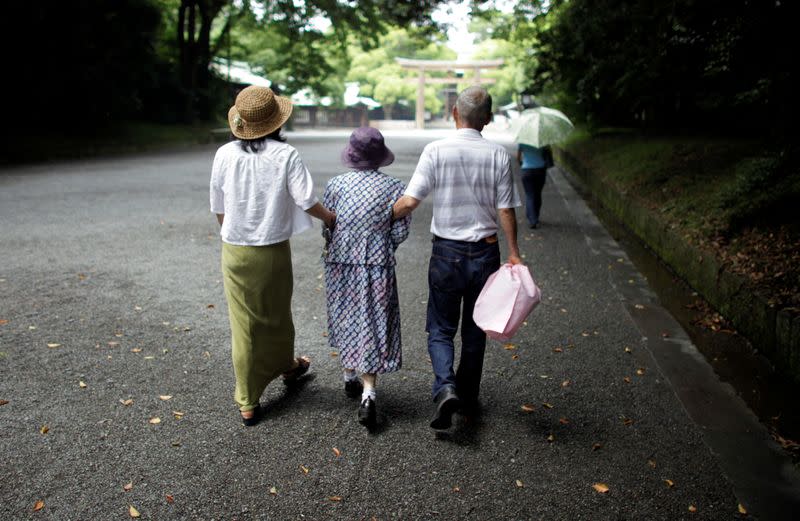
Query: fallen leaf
[551,438]
[137,308]
[640,371]
[38,505]
[133,512]
[273,491]
[324,333]
[456,489]
[509,347]
[519,484]
[206,354]
[178,414]
[44,429]
[128,486]
[154,421]
[600,487]
[149,357]
[628,349]
[528,408]
[304,469]
[169,498]
[337,452]
[652,463]
[639,306]
[334,354]
[127,402]
[563,421]
[547,405]
[118,335]
[627,422]
[187,328]
[596,446]
[3,402]
[334,498]
[136,350]
[627,379]
[515,357]
[164,397]
[563,310]
[565,383]
[558,350]
[113,344]
[585,333]
[210,306]
[53,345]
[664,334]
[742,510]
[692,508]
[82,384]
[3,322]
[669,483]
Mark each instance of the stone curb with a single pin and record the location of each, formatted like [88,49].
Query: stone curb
[776,333]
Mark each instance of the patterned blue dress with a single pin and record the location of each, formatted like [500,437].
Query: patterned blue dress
[363,305]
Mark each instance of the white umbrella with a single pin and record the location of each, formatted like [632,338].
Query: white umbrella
[541,126]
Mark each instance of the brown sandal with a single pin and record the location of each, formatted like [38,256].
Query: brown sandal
[291,376]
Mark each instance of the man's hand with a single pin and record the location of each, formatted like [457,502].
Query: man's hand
[404,206]
[514,259]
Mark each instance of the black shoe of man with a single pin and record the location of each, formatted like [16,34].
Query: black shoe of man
[447,403]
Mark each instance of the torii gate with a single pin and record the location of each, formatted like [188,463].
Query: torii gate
[443,65]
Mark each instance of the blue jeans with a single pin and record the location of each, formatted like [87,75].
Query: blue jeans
[533,180]
[456,274]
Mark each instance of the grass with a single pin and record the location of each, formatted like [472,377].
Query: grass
[735,196]
[125,137]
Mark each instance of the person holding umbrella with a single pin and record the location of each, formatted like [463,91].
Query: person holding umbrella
[535,130]
[533,162]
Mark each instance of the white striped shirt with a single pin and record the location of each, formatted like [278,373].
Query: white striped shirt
[470,178]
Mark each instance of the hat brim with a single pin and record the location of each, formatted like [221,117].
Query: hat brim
[348,159]
[248,130]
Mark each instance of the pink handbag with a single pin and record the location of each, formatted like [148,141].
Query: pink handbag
[507,298]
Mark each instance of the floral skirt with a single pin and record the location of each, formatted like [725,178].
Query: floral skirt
[364,316]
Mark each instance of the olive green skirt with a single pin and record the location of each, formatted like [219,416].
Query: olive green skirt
[258,287]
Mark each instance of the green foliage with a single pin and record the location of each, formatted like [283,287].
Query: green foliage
[677,63]
[761,189]
[380,77]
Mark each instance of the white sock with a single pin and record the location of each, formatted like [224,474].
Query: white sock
[369,392]
[350,375]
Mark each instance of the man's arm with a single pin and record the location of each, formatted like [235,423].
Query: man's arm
[404,206]
[508,221]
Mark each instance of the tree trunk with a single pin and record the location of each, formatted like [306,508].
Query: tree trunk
[194,46]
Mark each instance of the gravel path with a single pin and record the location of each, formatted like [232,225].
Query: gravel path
[110,286]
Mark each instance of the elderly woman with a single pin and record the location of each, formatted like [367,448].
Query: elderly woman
[363,304]
[262,195]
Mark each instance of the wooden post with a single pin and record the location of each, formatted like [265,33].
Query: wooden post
[421,99]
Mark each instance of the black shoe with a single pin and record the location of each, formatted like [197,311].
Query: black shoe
[366,412]
[447,403]
[533,226]
[353,388]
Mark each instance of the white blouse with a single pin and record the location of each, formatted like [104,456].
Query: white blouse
[263,195]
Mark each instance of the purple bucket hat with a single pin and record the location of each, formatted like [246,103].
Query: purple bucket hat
[366,150]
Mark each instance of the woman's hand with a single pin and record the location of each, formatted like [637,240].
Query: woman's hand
[330,220]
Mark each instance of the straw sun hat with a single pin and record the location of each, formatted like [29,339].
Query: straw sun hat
[258,112]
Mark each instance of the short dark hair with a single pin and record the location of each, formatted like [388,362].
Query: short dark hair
[258,144]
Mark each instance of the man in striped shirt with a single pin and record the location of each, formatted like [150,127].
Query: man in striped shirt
[471,185]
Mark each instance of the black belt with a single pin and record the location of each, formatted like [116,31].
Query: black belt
[488,240]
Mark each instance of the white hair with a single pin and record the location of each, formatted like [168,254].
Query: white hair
[474,106]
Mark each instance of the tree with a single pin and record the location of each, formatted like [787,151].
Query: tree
[365,19]
[380,77]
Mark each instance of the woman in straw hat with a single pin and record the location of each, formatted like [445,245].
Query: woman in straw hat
[363,306]
[262,194]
